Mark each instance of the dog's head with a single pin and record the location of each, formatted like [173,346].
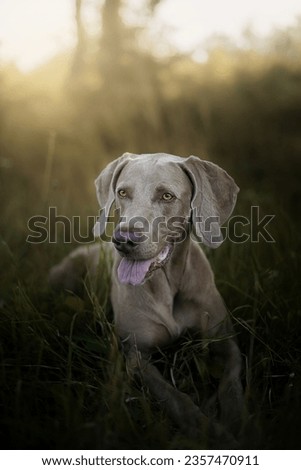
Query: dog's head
[159,198]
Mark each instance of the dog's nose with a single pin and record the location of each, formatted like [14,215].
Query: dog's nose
[125,240]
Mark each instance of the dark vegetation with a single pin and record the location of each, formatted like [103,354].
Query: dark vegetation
[63,380]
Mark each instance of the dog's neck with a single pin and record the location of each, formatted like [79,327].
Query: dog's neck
[177,263]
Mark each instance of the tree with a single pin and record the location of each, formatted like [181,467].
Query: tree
[112,28]
[80,51]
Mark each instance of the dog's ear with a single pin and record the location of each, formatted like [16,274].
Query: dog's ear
[105,190]
[213,200]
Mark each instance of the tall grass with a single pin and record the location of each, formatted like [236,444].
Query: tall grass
[64,383]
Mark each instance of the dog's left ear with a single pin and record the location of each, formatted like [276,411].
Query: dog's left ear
[213,200]
[105,188]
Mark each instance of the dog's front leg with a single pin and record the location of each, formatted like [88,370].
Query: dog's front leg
[179,406]
[227,358]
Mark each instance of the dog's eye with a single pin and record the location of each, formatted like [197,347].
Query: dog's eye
[167,197]
[121,193]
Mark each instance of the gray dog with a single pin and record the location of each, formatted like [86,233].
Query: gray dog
[162,283]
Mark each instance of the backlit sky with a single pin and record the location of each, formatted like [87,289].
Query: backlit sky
[31,31]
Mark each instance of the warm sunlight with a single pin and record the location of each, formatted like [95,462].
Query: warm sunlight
[32,31]
[192,21]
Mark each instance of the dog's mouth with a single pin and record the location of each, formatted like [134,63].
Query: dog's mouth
[135,272]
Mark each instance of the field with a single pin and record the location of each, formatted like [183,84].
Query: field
[62,374]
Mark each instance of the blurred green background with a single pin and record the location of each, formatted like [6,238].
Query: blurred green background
[63,379]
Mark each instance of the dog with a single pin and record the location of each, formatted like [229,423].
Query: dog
[162,283]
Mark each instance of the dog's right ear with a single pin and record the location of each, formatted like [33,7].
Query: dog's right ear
[105,190]
[213,200]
